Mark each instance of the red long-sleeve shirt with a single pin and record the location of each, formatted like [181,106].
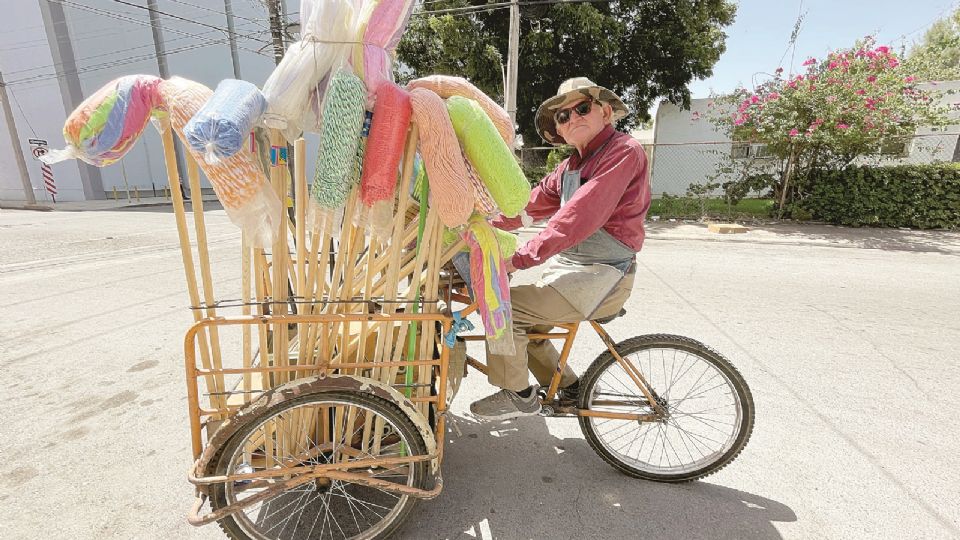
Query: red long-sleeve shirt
[614,195]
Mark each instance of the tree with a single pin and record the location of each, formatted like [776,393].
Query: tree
[937,56]
[853,103]
[641,49]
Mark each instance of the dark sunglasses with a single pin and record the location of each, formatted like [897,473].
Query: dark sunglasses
[582,109]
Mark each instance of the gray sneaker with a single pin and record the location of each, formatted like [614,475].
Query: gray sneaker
[506,404]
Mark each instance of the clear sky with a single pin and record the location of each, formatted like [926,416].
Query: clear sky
[758,38]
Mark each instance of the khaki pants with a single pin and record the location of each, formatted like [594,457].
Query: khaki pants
[535,309]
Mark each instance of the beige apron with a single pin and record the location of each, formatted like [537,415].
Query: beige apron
[588,272]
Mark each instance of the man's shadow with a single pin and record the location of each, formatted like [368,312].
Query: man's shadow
[516,479]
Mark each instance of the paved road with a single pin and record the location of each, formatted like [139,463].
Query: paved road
[848,339]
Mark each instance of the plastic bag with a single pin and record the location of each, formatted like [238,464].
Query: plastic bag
[221,127]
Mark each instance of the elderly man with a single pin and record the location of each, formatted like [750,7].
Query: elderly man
[595,203]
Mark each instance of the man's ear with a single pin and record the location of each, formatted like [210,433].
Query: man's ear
[607,113]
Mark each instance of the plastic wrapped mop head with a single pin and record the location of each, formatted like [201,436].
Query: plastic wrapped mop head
[484,204]
[452,193]
[447,86]
[238,181]
[107,124]
[489,155]
[491,286]
[383,22]
[327,27]
[221,127]
[343,112]
[391,119]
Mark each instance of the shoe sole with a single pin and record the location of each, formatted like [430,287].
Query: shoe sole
[507,416]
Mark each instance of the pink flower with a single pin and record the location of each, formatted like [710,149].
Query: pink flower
[883,49]
[810,61]
[695,115]
[739,121]
[833,65]
[831,99]
[842,126]
[754,99]
[792,84]
[892,63]
[909,78]
[861,91]
[779,70]
[871,78]
[773,96]
[794,132]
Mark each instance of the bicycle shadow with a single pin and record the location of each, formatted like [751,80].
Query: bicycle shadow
[518,480]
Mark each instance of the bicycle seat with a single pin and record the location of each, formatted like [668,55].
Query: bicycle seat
[605,320]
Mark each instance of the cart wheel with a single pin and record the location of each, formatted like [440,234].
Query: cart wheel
[325,427]
[709,408]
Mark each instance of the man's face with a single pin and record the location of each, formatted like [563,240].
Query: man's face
[584,120]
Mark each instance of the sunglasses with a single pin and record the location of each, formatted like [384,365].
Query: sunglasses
[582,109]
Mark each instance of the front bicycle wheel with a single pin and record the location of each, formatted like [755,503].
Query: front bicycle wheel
[316,429]
[709,410]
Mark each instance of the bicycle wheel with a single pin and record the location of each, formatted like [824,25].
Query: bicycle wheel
[709,409]
[320,428]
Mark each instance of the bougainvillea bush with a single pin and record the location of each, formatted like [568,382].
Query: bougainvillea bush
[841,107]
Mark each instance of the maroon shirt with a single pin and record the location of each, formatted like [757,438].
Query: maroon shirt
[614,195]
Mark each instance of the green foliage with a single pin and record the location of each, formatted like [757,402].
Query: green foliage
[920,196]
[937,56]
[641,49]
[690,207]
[845,106]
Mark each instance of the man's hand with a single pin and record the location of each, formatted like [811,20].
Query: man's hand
[510,267]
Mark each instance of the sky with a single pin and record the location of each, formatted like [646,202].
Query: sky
[759,37]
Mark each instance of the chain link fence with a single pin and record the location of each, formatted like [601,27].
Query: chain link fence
[675,167]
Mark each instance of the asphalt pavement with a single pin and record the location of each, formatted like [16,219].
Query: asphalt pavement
[847,338]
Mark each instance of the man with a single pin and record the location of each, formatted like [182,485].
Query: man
[595,203]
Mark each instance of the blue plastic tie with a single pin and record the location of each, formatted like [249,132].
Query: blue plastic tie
[459,325]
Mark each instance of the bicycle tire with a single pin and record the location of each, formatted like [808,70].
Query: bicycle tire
[689,348]
[241,528]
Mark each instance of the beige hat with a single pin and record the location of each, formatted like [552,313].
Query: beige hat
[572,90]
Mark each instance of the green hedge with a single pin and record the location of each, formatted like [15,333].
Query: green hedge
[917,196]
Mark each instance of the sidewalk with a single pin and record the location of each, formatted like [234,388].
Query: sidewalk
[105,204]
[771,234]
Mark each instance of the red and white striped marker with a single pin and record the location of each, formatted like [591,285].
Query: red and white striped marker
[48,181]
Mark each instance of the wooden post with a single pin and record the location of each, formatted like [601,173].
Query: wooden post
[173,176]
[200,230]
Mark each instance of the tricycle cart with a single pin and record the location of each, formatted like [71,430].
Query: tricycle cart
[334,427]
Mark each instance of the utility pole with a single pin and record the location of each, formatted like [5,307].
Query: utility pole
[15,140]
[512,61]
[164,70]
[275,8]
[232,36]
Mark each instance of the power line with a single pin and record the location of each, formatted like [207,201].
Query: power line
[128,49]
[224,13]
[505,5]
[108,65]
[184,19]
[119,17]
[23,114]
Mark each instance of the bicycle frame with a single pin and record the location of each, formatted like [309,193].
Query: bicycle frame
[568,335]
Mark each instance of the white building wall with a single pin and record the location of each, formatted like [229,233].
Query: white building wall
[108,47]
[23,49]
[682,155]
